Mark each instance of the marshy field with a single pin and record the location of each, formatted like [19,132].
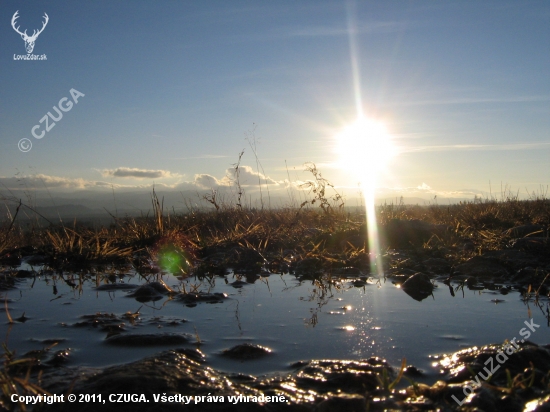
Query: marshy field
[291,303]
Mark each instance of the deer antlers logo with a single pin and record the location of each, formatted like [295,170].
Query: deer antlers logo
[29,40]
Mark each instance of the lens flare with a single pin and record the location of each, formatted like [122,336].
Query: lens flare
[172,259]
[174,254]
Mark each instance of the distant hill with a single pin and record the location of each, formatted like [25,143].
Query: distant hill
[101,206]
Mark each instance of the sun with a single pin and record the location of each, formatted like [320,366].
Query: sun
[364,148]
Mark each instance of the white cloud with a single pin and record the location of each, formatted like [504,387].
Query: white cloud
[208,181]
[247,176]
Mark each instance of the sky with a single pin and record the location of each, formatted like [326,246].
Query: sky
[169,93]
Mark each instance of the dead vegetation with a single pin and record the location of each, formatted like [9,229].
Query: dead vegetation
[230,233]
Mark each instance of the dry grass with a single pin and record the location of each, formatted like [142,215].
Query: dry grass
[11,383]
[320,228]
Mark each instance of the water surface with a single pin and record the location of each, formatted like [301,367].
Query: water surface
[297,319]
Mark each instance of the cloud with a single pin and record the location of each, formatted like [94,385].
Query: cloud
[128,172]
[41,181]
[424,186]
[208,181]
[38,182]
[247,176]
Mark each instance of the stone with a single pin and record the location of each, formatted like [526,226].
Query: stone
[151,292]
[238,284]
[98,319]
[418,286]
[246,351]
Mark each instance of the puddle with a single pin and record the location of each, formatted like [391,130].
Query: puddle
[297,320]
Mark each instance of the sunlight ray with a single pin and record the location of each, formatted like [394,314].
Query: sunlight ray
[364,147]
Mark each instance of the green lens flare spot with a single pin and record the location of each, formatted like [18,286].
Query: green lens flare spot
[172,259]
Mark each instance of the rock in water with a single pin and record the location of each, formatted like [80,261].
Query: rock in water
[246,351]
[150,292]
[418,286]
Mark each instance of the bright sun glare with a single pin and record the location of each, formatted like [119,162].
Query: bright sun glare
[365,148]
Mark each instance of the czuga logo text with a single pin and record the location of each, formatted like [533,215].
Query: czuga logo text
[61,107]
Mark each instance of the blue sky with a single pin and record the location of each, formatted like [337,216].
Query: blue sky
[173,88]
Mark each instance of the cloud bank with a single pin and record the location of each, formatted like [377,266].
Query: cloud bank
[128,172]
